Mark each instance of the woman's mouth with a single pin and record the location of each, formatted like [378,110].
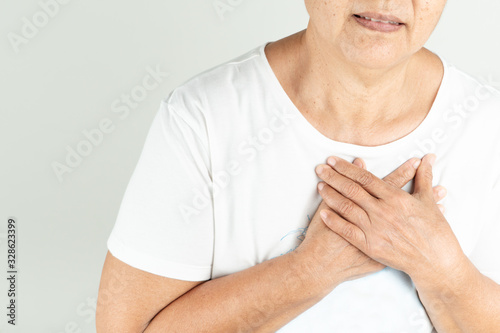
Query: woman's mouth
[378,22]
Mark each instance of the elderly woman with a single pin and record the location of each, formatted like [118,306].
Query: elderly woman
[296,188]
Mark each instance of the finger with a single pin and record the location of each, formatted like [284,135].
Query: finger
[344,229]
[423,178]
[439,192]
[359,162]
[343,206]
[441,208]
[372,184]
[402,175]
[345,186]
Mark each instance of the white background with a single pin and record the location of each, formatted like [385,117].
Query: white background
[64,79]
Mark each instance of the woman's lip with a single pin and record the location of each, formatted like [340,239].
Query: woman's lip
[378,26]
[381,17]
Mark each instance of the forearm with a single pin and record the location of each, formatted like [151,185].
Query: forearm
[464,301]
[262,298]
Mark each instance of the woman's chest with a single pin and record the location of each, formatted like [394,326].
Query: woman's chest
[264,211]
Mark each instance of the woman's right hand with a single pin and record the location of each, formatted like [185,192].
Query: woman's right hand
[325,253]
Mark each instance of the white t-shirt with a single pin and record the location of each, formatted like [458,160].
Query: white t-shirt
[226,181]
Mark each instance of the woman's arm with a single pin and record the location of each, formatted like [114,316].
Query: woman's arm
[267,296]
[262,298]
[460,300]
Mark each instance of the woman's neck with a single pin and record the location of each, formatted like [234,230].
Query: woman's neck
[349,103]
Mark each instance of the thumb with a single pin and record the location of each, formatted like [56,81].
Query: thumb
[423,178]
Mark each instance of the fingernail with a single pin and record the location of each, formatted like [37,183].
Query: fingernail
[442,192]
[319,169]
[417,163]
[331,161]
[323,214]
[432,159]
[441,208]
[321,185]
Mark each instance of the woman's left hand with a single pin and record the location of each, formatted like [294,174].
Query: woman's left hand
[405,231]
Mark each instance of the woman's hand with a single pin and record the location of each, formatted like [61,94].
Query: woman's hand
[405,231]
[329,254]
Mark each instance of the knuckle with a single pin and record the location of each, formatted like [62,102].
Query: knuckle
[391,180]
[407,173]
[348,231]
[346,208]
[397,180]
[351,189]
[428,173]
[328,176]
[365,179]
[402,176]
[402,180]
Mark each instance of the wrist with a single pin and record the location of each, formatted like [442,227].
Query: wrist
[314,274]
[446,279]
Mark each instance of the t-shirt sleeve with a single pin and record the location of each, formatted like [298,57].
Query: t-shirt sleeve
[165,222]
[486,254]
